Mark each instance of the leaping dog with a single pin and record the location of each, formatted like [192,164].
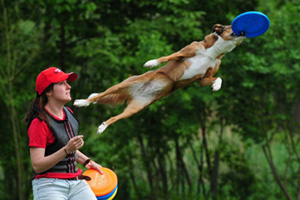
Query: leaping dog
[198,61]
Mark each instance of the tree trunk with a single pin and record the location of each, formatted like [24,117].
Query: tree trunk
[268,155]
[206,150]
[215,176]
[163,173]
[182,168]
[147,164]
[18,150]
[7,89]
[62,46]
[298,191]
[136,189]
[215,173]
[200,183]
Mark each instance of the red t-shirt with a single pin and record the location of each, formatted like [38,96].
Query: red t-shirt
[41,136]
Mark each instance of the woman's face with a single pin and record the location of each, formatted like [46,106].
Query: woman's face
[61,92]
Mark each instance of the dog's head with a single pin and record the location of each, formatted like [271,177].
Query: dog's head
[222,40]
[226,33]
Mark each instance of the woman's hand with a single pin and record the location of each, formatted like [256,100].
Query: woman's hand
[74,144]
[88,163]
[93,165]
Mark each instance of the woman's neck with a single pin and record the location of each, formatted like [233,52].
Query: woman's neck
[55,109]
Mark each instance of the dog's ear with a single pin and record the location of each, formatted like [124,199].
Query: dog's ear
[218,28]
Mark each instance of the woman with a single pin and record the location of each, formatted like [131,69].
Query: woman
[54,141]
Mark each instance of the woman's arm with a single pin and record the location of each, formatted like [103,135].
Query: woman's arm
[41,163]
[83,158]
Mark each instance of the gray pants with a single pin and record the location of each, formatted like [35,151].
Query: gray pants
[61,189]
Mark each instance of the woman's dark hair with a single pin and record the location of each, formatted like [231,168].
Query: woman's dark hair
[36,109]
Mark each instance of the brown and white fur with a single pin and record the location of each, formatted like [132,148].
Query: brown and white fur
[198,61]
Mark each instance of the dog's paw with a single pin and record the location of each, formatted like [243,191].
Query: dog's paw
[217,84]
[151,63]
[81,103]
[92,95]
[102,128]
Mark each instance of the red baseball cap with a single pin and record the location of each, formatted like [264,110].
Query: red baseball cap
[52,75]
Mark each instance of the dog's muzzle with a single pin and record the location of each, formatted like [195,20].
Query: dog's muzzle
[234,35]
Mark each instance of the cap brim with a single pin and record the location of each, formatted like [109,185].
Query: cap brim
[66,76]
[72,76]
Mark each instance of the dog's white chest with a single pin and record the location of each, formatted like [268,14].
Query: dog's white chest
[199,65]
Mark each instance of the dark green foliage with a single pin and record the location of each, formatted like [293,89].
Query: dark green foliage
[241,142]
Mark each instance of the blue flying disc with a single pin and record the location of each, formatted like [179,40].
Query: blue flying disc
[251,24]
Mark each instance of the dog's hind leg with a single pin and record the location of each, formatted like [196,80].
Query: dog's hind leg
[119,89]
[133,107]
[142,99]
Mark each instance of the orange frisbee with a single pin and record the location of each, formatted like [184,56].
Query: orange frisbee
[102,184]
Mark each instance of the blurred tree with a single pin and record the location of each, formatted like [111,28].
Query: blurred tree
[262,92]
[176,148]
[153,29]
[19,46]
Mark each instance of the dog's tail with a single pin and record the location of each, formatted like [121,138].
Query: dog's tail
[107,99]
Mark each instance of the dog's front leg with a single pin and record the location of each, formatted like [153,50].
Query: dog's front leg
[155,62]
[208,79]
[186,52]
[215,83]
